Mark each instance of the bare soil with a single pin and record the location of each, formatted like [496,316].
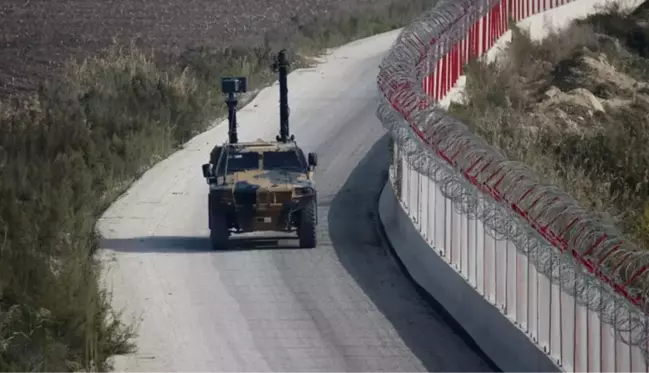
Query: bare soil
[578,95]
[37,36]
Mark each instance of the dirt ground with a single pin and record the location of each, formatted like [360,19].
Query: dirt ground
[37,36]
[581,91]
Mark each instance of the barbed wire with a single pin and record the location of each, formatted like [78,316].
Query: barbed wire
[581,251]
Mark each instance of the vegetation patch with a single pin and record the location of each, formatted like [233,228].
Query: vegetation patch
[575,107]
[69,148]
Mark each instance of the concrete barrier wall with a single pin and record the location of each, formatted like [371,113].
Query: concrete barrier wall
[521,318]
[482,275]
[501,339]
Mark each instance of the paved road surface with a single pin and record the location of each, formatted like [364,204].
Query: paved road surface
[268,305]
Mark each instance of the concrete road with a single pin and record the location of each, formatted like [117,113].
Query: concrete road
[267,305]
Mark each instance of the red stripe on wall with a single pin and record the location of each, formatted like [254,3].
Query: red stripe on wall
[456,64]
[453,62]
[442,73]
[438,79]
[491,18]
[447,75]
[465,51]
[485,35]
[451,68]
[475,43]
[461,54]
[515,4]
[499,20]
[494,23]
[431,83]
[506,14]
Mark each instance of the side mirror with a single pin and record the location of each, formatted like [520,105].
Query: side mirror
[207,170]
[313,159]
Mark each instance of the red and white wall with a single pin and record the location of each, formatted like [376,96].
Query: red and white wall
[492,29]
[571,335]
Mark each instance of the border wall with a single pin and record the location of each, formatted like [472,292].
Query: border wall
[539,282]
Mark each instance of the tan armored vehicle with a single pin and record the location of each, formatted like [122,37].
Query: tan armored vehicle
[261,185]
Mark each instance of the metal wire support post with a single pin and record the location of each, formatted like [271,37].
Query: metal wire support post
[232,102]
[231,86]
[282,65]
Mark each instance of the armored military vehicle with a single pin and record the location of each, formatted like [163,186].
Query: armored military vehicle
[261,185]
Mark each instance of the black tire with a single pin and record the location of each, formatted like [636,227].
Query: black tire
[219,234]
[307,230]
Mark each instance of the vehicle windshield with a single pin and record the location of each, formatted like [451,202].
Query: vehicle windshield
[238,162]
[287,160]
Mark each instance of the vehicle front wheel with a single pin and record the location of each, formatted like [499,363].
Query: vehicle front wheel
[219,233]
[307,227]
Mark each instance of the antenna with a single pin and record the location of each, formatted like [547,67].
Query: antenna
[232,86]
[282,65]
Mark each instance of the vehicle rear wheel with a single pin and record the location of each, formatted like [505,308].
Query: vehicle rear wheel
[307,228]
[219,233]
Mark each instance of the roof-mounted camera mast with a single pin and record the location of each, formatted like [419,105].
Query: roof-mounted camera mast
[231,86]
[282,66]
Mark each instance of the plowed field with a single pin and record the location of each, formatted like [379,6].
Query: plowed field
[37,36]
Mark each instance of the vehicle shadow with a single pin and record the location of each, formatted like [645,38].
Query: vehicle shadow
[189,244]
[422,323]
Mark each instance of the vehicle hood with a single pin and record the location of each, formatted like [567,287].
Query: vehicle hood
[275,180]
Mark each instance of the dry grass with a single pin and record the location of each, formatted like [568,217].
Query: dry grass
[531,104]
[69,149]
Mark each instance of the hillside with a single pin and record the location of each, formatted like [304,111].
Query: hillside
[575,107]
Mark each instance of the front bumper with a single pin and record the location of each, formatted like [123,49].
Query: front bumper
[259,213]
